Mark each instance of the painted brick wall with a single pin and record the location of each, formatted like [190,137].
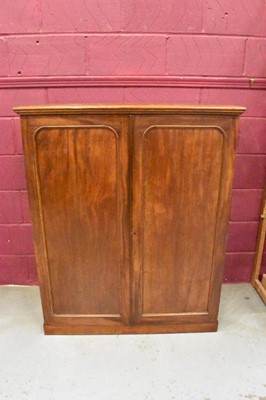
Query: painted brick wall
[50,50]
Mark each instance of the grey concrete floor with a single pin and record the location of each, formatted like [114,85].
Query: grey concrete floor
[227,365]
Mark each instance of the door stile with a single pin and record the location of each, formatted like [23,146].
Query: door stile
[136,224]
[124,223]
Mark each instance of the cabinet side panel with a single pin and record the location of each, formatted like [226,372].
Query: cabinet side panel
[78,177]
[181,181]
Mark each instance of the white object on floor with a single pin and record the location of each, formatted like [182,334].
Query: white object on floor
[227,365]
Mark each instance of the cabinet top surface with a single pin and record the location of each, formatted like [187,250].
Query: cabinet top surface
[128,109]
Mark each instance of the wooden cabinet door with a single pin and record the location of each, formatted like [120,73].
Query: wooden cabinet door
[182,177]
[77,168]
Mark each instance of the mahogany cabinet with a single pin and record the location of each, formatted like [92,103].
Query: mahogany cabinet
[130,208]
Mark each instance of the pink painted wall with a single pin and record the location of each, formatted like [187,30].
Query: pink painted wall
[50,49]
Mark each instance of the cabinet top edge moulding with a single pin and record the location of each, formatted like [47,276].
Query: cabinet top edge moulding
[129,108]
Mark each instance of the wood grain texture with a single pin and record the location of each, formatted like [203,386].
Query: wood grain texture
[260,285]
[182,180]
[180,195]
[126,329]
[79,222]
[78,176]
[192,109]
[260,240]
[130,213]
